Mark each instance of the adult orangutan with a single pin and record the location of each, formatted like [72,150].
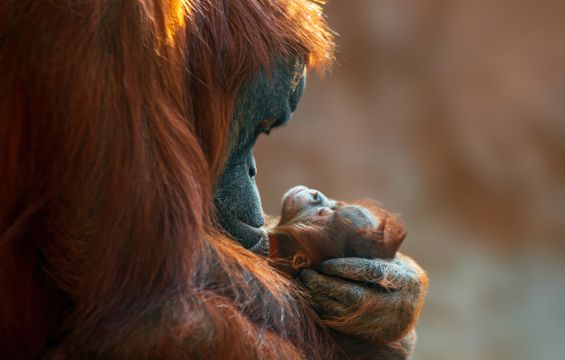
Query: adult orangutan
[126,130]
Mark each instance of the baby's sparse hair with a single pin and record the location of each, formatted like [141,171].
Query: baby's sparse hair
[357,229]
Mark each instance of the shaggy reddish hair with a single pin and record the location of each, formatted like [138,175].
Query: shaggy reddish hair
[114,123]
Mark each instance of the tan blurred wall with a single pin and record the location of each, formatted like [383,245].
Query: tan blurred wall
[453,114]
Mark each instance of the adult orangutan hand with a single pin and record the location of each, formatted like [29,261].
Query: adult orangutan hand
[372,300]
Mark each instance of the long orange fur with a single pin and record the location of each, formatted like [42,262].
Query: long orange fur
[114,120]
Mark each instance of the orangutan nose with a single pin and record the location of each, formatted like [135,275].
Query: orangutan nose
[252,166]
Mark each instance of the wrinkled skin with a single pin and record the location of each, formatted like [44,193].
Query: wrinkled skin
[343,285]
[339,286]
[266,103]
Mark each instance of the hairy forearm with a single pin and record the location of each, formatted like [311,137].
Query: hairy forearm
[357,349]
[381,326]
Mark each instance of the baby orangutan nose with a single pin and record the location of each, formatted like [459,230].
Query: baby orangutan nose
[313,228]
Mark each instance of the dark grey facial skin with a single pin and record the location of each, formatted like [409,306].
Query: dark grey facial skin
[267,102]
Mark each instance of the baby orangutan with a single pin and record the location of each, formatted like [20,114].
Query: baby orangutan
[313,228]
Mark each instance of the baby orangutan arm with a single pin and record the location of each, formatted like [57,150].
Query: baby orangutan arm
[371,300]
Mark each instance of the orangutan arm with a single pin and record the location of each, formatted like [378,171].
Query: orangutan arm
[355,349]
[374,304]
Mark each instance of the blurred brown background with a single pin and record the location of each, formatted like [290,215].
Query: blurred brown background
[453,114]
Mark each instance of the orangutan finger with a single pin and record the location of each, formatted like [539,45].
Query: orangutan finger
[341,290]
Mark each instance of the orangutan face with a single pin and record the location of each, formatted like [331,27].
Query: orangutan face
[266,103]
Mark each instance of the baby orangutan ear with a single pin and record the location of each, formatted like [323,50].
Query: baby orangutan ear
[374,243]
[301,261]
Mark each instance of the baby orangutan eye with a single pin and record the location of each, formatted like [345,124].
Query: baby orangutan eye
[316,198]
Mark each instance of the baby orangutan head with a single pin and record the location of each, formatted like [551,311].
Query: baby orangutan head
[313,228]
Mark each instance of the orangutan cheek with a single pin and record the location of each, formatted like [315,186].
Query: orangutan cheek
[238,203]
[267,98]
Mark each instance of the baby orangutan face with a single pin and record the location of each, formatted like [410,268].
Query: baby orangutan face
[313,228]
